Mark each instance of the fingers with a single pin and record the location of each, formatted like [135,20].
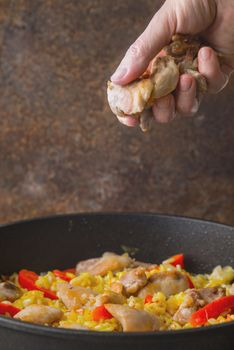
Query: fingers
[209,67]
[174,16]
[186,102]
[137,58]
[164,109]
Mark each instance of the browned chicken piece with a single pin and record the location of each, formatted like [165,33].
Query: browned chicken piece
[134,280]
[73,326]
[101,266]
[110,297]
[195,299]
[159,80]
[133,320]
[168,282]
[184,49]
[9,291]
[183,45]
[74,297]
[40,314]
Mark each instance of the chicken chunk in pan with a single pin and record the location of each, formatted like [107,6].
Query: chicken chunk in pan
[74,297]
[195,299]
[134,280]
[168,282]
[9,291]
[101,266]
[110,297]
[40,314]
[133,320]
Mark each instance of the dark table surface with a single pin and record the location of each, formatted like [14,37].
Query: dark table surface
[62,150]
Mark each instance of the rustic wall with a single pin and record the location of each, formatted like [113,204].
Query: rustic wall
[61,149]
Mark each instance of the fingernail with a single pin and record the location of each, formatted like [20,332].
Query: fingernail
[205,53]
[119,74]
[185,83]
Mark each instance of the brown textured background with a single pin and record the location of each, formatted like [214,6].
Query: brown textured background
[61,150]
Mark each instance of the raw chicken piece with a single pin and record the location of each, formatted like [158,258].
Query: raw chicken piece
[165,76]
[74,297]
[159,80]
[130,99]
[108,262]
[9,291]
[134,280]
[40,314]
[133,320]
[194,299]
[134,98]
[168,282]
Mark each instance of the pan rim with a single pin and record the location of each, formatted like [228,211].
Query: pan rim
[115,213]
[31,328]
[69,333]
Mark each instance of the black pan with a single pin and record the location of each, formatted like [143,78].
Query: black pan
[59,242]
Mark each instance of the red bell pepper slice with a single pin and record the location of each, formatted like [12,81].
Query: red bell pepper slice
[8,309]
[212,310]
[62,275]
[175,260]
[101,313]
[148,299]
[27,280]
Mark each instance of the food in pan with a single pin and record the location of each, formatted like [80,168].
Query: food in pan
[160,79]
[118,293]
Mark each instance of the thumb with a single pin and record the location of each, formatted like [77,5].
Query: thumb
[157,34]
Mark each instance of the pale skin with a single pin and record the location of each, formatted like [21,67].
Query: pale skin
[213,20]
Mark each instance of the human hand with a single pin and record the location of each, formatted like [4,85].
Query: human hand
[213,21]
